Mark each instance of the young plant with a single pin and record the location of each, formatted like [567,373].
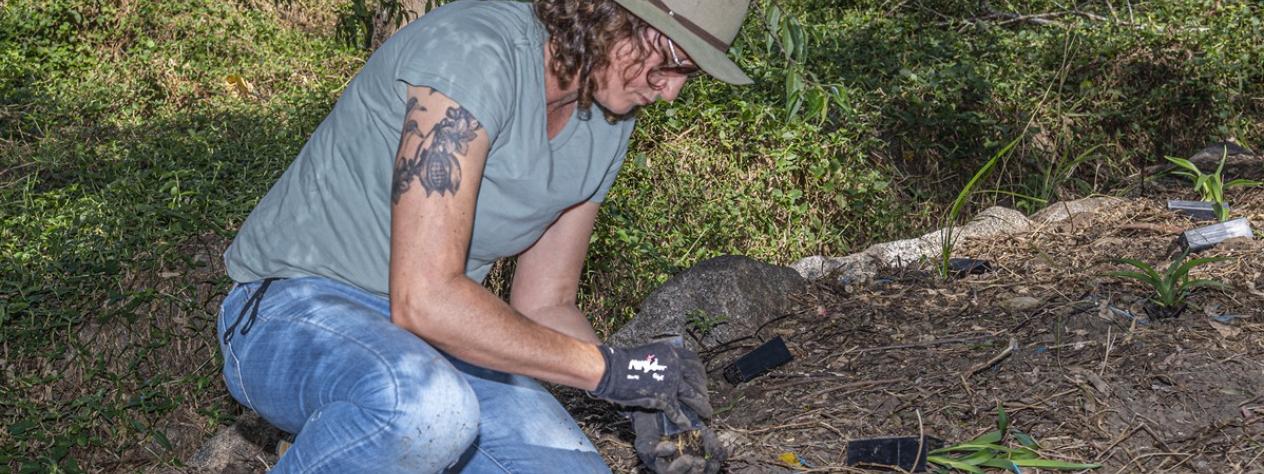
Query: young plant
[991,450]
[948,238]
[1211,187]
[1173,285]
[700,323]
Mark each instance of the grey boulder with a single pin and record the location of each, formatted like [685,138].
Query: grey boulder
[726,298]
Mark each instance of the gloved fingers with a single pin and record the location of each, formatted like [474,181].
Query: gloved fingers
[686,464]
[677,416]
[665,449]
[713,447]
[696,400]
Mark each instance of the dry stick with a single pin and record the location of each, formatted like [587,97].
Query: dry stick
[1009,349]
[809,379]
[1109,343]
[1150,455]
[921,437]
[867,383]
[936,342]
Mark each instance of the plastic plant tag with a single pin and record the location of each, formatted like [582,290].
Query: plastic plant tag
[1195,209]
[764,358]
[1205,237]
[668,428]
[906,453]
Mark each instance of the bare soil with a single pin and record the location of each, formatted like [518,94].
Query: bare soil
[1090,375]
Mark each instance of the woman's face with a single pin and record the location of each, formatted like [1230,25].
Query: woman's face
[629,82]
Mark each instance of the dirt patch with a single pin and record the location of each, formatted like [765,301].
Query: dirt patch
[1089,376]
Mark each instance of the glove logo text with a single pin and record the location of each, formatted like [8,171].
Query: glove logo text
[650,364]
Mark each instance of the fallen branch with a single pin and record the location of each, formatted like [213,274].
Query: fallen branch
[1009,349]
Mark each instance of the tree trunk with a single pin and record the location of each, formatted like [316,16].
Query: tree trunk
[391,15]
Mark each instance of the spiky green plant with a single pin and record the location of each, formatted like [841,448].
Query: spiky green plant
[1174,284]
[991,450]
[948,238]
[1211,186]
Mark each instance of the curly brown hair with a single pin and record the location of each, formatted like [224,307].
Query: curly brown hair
[582,33]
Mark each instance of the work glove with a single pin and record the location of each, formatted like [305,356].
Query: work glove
[680,454]
[656,376]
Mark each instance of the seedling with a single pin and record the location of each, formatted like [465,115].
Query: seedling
[991,450]
[701,323]
[1173,285]
[948,238]
[1211,186]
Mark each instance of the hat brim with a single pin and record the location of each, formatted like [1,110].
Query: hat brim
[714,62]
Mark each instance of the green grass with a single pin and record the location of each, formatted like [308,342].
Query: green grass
[127,161]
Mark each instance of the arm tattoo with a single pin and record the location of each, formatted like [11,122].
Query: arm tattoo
[435,166]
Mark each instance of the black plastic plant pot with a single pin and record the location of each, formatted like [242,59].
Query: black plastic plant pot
[764,358]
[1195,209]
[905,453]
[960,267]
[1202,238]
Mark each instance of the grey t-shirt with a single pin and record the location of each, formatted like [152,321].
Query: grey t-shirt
[330,213]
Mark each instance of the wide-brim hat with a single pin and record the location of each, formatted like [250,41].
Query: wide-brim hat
[703,28]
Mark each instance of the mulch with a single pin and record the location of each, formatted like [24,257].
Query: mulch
[1069,351]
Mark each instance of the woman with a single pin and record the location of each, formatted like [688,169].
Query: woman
[358,321]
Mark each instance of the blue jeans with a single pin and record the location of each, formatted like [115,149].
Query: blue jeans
[322,359]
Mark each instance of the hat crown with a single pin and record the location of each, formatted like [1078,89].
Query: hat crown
[721,18]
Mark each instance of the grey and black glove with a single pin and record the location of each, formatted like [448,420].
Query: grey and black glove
[656,376]
[690,452]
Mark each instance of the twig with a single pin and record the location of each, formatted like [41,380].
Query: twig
[936,342]
[1110,342]
[810,379]
[1009,349]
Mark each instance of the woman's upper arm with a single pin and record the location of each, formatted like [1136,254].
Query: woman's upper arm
[434,189]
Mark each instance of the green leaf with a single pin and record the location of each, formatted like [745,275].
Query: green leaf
[1250,183]
[1184,163]
[1025,439]
[958,465]
[1002,419]
[1054,464]
[1137,276]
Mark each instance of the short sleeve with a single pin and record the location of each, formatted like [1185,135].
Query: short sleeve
[465,57]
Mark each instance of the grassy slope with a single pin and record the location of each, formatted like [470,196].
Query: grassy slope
[121,142]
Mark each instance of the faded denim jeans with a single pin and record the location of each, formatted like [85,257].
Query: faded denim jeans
[321,359]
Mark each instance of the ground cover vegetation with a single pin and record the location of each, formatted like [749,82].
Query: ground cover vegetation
[135,136]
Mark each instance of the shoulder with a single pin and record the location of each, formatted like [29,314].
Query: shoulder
[482,22]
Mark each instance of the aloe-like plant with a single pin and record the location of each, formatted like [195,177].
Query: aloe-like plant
[991,450]
[948,238]
[1211,186]
[1174,284]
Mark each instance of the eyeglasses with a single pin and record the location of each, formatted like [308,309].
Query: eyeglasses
[676,66]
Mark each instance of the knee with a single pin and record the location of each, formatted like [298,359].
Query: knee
[436,415]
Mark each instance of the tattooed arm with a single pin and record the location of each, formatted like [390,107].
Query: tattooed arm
[438,168]
[546,276]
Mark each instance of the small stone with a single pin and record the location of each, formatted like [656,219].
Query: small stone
[1020,303]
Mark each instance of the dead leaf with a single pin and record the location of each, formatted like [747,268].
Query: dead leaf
[239,84]
[1226,331]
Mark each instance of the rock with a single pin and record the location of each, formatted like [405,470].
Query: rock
[1020,303]
[735,294]
[245,447]
[992,221]
[1059,211]
[996,220]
